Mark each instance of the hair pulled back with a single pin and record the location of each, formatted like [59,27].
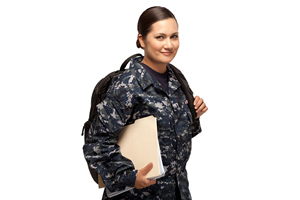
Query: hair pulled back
[149,17]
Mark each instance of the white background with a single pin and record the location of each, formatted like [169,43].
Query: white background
[241,57]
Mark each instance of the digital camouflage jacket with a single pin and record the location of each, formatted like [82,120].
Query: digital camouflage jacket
[132,95]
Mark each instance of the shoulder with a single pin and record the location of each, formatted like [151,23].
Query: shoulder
[131,78]
[128,83]
[123,87]
[124,81]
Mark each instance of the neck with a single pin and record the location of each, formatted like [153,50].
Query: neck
[158,67]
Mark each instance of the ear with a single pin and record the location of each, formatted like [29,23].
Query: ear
[141,39]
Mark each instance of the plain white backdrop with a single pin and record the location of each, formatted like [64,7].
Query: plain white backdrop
[241,57]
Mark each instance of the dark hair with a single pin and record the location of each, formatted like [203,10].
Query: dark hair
[149,17]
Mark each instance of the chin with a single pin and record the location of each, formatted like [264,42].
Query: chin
[167,59]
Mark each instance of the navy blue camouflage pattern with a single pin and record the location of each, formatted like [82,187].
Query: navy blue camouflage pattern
[133,95]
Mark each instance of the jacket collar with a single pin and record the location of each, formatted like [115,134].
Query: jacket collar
[145,79]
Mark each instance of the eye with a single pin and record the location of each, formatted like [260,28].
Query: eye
[175,37]
[160,37]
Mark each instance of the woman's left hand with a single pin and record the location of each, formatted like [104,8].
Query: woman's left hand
[200,106]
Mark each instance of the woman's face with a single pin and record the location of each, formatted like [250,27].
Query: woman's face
[161,43]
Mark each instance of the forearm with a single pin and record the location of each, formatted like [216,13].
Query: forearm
[103,154]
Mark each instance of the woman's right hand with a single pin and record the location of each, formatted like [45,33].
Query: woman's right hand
[141,181]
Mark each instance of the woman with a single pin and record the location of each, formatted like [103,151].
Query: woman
[148,87]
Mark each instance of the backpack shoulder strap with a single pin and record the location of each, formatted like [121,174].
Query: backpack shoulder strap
[122,68]
[186,89]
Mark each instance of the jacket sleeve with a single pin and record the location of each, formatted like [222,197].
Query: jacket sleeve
[101,150]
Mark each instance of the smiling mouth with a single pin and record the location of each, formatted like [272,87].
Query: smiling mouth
[167,53]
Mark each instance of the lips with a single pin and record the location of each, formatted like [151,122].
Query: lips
[167,53]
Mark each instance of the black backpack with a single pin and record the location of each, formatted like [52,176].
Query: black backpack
[103,85]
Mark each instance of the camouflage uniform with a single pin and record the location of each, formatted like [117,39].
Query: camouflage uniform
[133,95]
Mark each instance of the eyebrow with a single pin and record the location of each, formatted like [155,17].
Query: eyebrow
[165,34]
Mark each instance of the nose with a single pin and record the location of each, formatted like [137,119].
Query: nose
[168,44]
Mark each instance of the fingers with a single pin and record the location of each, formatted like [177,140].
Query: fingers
[149,182]
[197,102]
[145,170]
[196,99]
[141,180]
[200,106]
[144,183]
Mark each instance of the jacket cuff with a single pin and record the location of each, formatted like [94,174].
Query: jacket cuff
[128,178]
